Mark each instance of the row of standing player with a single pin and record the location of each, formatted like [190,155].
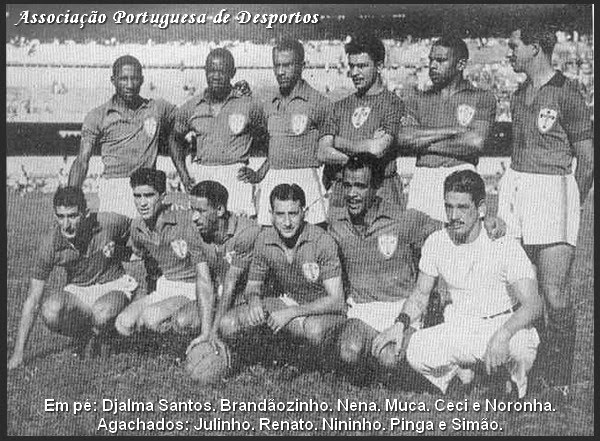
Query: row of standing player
[446,125]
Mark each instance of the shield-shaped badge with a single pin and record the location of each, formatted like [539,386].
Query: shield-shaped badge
[387,245]
[299,122]
[150,126]
[180,248]
[360,115]
[237,122]
[109,250]
[464,114]
[311,271]
[546,119]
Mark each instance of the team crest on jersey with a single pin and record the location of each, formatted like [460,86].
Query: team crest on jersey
[109,250]
[150,126]
[387,245]
[180,248]
[299,123]
[311,271]
[237,122]
[464,114]
[360,115]
[546,119]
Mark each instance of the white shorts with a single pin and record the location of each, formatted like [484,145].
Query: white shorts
[440,351]
[165,289]
[378,315]
[116,196]
[241,194]
[539,209]
[90,294]
[309,179]
[426,189]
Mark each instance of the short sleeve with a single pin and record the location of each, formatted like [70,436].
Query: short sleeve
[411,111]
[575,115]
[259,265]
[330,123]
[421,226]
[486,109]
[91,128]
[328,257]
[44,261]
[517,264]
[392,117]
[180,119]
[243,247]
[428,263]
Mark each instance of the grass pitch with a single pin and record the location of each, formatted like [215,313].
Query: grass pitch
[271,371]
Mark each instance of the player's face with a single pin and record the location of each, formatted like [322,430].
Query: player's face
[519,54]
[69,220]
[287,69]
[363,71]
[359,194]
[205,216]
[218,75]
[147,201]
[443,66]
[463,216]
[287,218]
[128,83]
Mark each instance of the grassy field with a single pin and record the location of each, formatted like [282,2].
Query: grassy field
[271,371]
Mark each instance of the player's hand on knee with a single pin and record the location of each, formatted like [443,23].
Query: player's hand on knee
[248,175]
[497,352]
[379,133]
[393,334]
[277,320]
[495,227]
[256,311]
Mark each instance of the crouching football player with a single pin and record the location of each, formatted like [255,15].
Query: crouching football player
[169,239]
[90,247]
[302,260]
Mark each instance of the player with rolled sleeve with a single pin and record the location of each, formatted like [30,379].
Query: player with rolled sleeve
[303,262]
[540,195]
[89,246]
[365,122]
[379,245]
[446,125]
[128,129]
[295,116]
[169,239]
[494,297]
[223,123]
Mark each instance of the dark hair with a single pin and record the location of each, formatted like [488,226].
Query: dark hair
[363,160]
[368,44]
[544,36]
[156,179]
[288,44]
[125,60]
[456,44]
[466,181]
[214,192]
[224,55]
[70,197]
[288,192]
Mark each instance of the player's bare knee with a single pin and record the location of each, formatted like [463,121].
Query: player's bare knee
[229,325]
[150,319]
[387,357]
[125,324]
[184,322]
[314,331]
[52,312]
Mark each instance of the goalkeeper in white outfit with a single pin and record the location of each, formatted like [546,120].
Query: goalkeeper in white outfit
[486,322]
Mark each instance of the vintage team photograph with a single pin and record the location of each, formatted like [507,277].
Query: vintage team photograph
[300,219]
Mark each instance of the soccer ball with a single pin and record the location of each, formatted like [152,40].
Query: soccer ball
[205,365]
